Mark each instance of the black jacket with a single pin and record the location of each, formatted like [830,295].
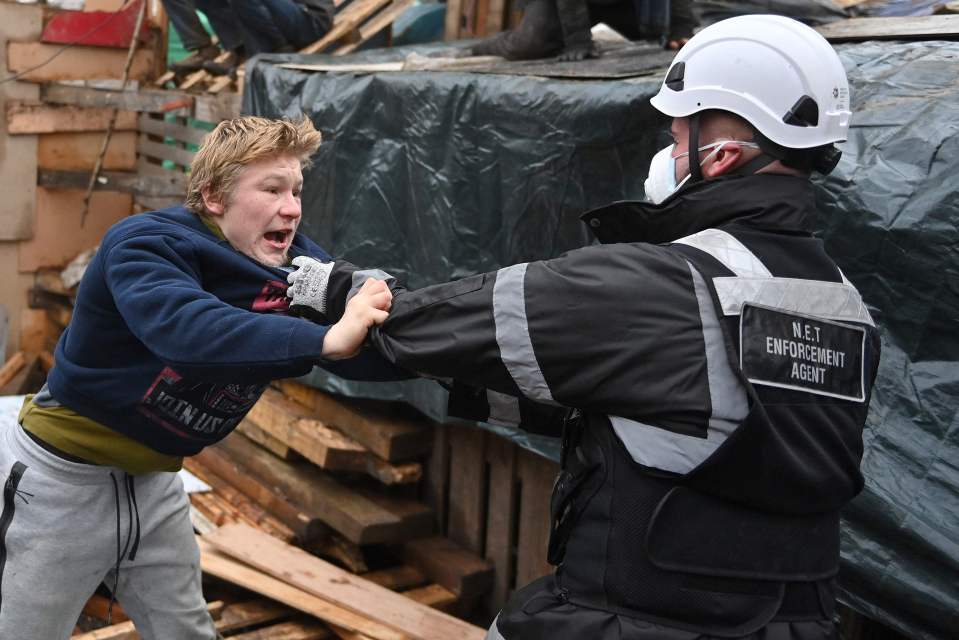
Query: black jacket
[723,366]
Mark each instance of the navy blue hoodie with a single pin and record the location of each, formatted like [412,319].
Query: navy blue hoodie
[176,334]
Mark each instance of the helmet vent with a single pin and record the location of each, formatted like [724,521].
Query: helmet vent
[674,79]
[805,113]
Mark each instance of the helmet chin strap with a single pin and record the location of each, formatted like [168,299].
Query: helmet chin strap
[695,171]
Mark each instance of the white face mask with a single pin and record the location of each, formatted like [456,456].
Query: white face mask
[661,182]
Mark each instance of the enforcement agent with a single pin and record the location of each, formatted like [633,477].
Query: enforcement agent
[704,466]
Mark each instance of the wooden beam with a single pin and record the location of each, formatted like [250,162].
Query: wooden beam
[244,510]
[12,367]
[217,564]
[81,63]
[536,475]
[127,631]
[309,528]
[297,427]
[246,614]
[293,424]
[501,518]
[164,129]
[379,22]
[357,517]
[467,509]
[346,21]
[936,27]
[326,581]
[161,151]
[454,20]
[276,446]
[398,578]
[495,16]
[153,100]
[389,438]
[433,595]
[170,184]
[26,118]
[28,379]
[464,573]
[293,630]
[208,108]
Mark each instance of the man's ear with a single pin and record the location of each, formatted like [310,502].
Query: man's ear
[726,159]
[212,202]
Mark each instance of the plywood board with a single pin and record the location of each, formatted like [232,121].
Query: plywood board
[83,63]
[59,237]
[78,151]
[340,587]
[18,154]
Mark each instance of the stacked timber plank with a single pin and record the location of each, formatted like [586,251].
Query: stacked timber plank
[315,505]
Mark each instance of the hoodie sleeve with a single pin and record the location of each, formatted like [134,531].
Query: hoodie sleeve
[612,328]
[156,288]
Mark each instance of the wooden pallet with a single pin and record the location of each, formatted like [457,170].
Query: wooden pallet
[495,504]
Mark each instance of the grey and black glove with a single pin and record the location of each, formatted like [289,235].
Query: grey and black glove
[308,285]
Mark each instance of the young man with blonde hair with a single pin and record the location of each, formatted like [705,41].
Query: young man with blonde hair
[181,321]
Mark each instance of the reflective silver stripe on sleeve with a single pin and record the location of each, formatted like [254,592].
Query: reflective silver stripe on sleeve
[503,409]
[680,453]
[512,333]
[829,300]
[360,276]
[728,250]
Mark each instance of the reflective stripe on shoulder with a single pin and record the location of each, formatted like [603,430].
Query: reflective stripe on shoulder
[754,283]
[829,300]
[512,333]
[680,453]
[728,250]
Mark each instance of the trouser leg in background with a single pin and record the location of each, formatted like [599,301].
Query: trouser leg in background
[223,21]
[187,24]
[273,25]
[58,542]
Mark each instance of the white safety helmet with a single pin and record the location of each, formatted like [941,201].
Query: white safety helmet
[778,74]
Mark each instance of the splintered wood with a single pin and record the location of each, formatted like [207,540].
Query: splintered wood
[337,479]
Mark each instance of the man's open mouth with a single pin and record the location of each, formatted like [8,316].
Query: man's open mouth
[277,238]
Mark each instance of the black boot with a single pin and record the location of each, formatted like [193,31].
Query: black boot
[195,61]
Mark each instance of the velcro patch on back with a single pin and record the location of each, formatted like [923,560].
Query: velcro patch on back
[804,353]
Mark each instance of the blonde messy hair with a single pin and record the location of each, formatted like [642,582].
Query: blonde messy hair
[235,143]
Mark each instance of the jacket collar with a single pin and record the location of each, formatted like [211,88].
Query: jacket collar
[764,201]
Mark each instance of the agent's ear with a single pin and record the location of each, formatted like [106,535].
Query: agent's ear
[726,159]
[212,202]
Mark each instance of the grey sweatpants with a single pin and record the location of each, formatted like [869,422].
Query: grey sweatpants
[59,541]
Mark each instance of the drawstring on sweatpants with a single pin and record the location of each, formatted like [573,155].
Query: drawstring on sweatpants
[133,515]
